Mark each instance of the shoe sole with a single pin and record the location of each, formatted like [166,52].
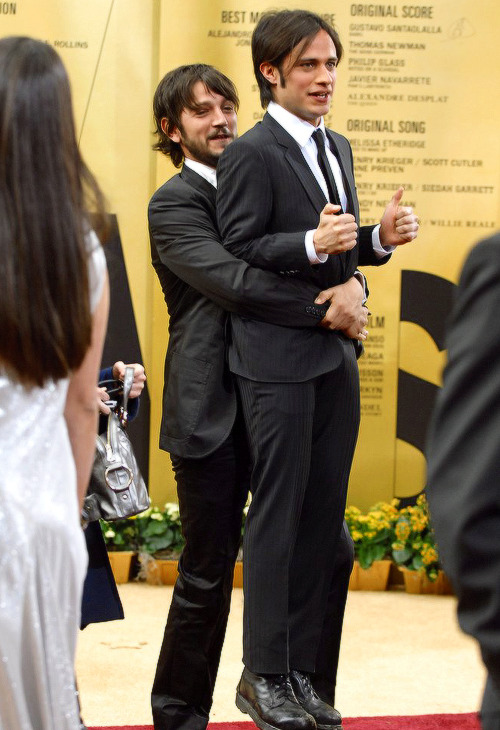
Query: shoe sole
[245,707]
[330,727]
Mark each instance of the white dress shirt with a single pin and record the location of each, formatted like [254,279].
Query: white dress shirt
[301,131]
[208,173]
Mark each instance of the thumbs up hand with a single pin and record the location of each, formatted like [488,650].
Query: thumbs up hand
[399,224]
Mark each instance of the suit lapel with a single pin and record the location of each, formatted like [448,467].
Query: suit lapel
[295,159]
[199,182]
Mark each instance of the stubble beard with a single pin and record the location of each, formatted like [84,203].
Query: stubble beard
[201,152]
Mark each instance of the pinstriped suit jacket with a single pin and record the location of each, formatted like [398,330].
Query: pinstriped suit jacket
[201,281]
[267,199]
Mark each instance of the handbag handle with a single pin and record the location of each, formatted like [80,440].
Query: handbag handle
[128,380]
[114,387]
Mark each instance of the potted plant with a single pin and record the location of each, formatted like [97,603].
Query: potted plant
[373,535]
[160,542]
[415,552]
[121,544]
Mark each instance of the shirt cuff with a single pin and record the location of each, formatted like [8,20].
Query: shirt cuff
[362,280]
[314,258]
[379,250]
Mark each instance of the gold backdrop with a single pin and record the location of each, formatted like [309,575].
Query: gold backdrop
[416,95]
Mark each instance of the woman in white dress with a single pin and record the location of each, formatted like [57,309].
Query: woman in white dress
[53,313]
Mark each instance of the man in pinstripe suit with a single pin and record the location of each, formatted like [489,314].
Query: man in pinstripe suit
[299,388]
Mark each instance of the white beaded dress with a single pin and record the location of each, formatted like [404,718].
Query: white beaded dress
[43,557]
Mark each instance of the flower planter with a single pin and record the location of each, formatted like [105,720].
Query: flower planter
[374,578]
[161,572]
[416,582]
[120,564]
[238,575]
[353,580]
[164,572]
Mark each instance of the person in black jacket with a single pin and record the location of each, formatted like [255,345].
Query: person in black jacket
[463,453]
[299,387]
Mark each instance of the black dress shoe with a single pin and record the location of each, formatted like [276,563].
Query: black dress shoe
[271,703]
[327,718]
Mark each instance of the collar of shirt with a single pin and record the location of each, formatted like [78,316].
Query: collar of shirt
[302,131]
[297,128]
[208,173]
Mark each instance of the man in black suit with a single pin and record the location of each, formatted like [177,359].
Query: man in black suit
[299,387]
[464,461]
[195,115]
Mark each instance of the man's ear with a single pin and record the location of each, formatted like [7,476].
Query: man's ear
[173,133]
[269,72]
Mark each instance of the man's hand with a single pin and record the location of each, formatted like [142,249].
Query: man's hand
[346,311]
[139,376]
[399,224]
[335,233]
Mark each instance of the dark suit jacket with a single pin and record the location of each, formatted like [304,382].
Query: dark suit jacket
[200,281]
[267,199]
[464,453]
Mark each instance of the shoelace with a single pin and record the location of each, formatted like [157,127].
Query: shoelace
[307,686]
[282,689]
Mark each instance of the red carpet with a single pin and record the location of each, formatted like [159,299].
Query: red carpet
[414,722]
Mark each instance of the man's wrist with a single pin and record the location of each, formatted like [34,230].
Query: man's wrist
[313,256]
[379,249]
[362,280]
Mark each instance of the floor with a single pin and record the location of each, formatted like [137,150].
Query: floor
[401,655]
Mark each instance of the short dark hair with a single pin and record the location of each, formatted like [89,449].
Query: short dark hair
[277,33]
[175,93]
[46,191]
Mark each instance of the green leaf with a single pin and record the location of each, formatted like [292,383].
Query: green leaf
[402,556]
[369,553]
[417,562]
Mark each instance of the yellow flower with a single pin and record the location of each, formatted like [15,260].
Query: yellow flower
[429,556]
[402,530]
[353,511]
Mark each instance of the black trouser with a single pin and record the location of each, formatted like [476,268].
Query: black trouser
[302,438]
[212,493]
[324,678]
[490,709]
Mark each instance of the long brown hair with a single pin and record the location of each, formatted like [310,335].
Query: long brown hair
[45,191]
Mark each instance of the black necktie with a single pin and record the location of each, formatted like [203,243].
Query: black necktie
[333,193]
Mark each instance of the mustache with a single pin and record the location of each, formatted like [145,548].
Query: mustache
[222,131]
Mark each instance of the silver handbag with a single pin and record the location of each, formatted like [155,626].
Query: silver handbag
[116,489]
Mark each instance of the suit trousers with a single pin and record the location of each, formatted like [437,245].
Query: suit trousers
[212,493]
[302,439]
[324,678]
[490,708]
